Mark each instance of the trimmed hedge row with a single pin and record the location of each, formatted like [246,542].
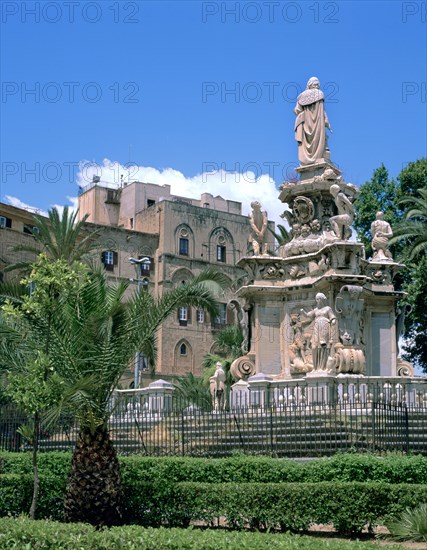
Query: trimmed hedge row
[348,506]
[17,534]
[241,469]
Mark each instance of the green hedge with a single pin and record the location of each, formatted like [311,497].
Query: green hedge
[19,534]
[241,469]
[348,506]
[16,492]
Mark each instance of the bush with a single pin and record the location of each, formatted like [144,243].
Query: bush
[16,492]
[348,506]
[52,463]
[17,534]
[240,469]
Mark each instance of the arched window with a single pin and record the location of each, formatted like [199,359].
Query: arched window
[221,246]
[184,241]
[183,350]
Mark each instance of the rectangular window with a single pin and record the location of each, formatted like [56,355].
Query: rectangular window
[146,267]
[150,202]
[5,222]
[109,259]
[183,246]
[183,316]
[220,253]
[223,314]
[200,316]
[30,229]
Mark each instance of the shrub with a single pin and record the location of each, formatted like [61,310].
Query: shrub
[16,491]
[348,506]
[411,525]
[240,469]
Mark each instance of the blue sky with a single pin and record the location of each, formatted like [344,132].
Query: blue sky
[151,84]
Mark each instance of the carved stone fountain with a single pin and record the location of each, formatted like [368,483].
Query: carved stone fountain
[319,309]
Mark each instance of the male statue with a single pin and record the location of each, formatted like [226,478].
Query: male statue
[310,123]
[258,221]
[381,234]
[341,223]
[217,388]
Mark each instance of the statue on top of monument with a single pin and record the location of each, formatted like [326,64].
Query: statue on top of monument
[381,233]
[310,123]
[341,223]
[258,220]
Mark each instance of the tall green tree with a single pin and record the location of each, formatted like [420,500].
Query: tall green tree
[94,336]
[380,193]
[403,202]
[26,335]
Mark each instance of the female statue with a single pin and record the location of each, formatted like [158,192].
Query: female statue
[310,123]
[325,332]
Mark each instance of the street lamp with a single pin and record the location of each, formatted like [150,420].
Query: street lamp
[139,264]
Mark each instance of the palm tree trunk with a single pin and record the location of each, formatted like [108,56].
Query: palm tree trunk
[94,491]
[36,484]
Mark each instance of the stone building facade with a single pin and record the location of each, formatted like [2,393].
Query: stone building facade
[181,236]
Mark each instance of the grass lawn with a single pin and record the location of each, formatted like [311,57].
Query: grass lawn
[22,533]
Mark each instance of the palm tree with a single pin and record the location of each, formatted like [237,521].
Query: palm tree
[282,235]
[94,335]
[413,229]
[60,237]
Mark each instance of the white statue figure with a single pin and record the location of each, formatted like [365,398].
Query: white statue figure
[341,223]
[310,123]
[381,234]
[217,388]
[325,332]
[259,221]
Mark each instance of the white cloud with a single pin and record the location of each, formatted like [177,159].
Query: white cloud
[243,187]
[74,205]
[14,201]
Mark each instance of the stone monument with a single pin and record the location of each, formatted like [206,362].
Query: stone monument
[319,308]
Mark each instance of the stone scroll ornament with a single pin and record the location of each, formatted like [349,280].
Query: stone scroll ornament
[311,123]
[242,368]
[349,355]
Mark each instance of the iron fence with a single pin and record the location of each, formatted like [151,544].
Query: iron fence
[301,430]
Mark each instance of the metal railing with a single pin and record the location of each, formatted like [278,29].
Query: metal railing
[177,427]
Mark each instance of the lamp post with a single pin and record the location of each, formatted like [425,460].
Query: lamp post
[139,264]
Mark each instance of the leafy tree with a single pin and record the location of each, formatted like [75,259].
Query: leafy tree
[93,337]
[26,326]
[393,197]
[378,194]
[415,347]
[413,178]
